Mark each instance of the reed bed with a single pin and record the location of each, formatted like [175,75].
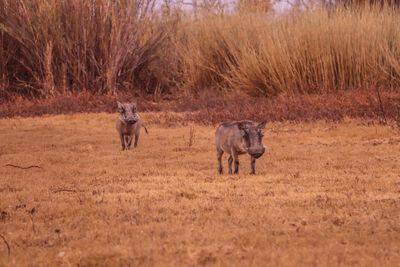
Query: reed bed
[50,48]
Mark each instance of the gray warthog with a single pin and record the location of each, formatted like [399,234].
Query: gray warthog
[239,137]
[129,124]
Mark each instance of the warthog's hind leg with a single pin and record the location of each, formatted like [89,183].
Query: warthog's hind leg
[220,152]
[253,165]
[230,160]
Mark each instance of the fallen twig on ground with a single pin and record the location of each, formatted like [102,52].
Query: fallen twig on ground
[64,190]
[8,245]
[24,168]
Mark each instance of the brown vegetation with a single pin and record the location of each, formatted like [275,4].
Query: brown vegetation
[325,194]
[58,47]
[54,47]
[209,107]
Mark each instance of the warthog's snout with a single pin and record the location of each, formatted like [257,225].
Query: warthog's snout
[256,152]
[131,121]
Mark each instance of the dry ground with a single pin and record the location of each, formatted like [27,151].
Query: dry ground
[326,194]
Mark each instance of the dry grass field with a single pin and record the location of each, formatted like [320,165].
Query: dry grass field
[326,194]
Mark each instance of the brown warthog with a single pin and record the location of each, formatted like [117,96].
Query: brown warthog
[239,137]
[128,124]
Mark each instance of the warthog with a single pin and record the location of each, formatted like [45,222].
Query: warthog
[129,124]
[239,137]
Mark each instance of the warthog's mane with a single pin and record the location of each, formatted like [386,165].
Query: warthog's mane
[233,123]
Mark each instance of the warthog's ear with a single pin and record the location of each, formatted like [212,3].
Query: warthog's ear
[262,125]
[120,106]
[134,106]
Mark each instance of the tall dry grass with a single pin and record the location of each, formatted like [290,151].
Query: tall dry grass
[55,47]
[314,51]
[49,47]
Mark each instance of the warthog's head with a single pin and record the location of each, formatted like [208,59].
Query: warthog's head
[128,112]
[252,137]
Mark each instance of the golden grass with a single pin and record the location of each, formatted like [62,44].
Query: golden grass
[316,51]
[325,194]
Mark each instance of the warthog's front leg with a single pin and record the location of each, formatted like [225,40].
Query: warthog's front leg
[130,138]
[253,165]
[230,160]
[136,139]
[220,152]
[236,166]
[127,141]
[235,157]
[121,137]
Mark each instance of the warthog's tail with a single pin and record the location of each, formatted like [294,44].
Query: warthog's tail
[145,129]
